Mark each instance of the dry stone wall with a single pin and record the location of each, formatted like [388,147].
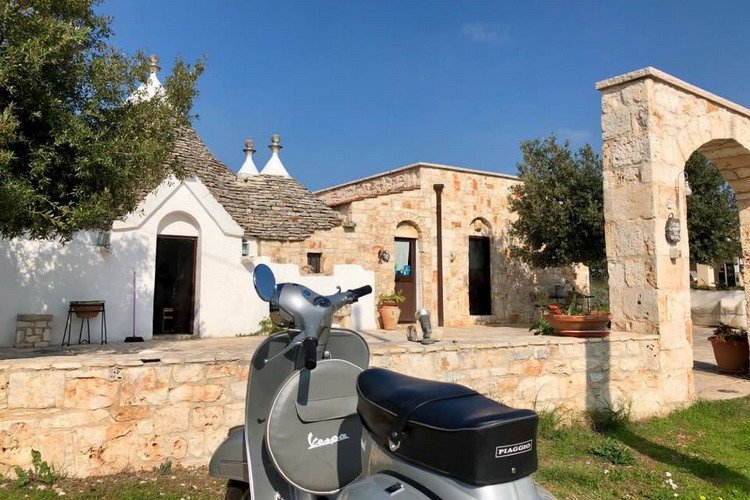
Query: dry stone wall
[103,417]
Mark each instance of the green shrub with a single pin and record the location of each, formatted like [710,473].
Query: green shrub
[542,327]
[724,333]
[550,422]
[608,419]
[266,327]
[40,472]
[613,452]
[396,296]
[165,468]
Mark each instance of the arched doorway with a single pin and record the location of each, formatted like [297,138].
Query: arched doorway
[480,268]
[175,276]
[406,268]
[651,124]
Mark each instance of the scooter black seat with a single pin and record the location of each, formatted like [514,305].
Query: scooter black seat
[448,428]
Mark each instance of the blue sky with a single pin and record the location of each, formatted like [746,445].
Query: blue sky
[357,88]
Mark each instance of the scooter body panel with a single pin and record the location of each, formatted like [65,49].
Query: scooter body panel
[266,375]
[377,461]
[382,487]
[229,461]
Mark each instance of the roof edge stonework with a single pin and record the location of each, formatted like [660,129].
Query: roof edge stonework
[322,192]
[655,74]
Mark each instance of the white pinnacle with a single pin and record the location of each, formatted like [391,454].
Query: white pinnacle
[274,165]
[151,87]
[248,169]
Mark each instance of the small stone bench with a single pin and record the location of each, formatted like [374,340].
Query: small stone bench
[33,330]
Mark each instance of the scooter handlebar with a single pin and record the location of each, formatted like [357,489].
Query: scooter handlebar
[310,347]
[362,291]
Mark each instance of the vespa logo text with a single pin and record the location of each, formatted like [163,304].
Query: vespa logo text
[314,442]
[513,449]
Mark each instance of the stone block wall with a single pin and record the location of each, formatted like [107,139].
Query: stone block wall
[103,417]
[93,420]
[554,373]
[33,330]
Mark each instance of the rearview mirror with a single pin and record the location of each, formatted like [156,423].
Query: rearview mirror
[265,282]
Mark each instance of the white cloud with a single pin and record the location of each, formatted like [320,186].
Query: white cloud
[575,136]
[485,32]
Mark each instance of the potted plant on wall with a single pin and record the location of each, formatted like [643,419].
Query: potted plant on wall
[575,320]
[388,307]
[730,349]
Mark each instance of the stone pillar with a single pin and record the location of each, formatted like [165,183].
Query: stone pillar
[705,275]
[743,204]
[649,277]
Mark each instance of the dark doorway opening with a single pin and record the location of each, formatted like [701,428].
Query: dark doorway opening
[174,287]
[480,284]
[405,280]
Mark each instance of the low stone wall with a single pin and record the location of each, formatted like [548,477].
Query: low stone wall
[123,413]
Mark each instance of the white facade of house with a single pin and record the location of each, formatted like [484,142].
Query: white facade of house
[42,277]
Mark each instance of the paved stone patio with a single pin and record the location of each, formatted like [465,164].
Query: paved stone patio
[709,383]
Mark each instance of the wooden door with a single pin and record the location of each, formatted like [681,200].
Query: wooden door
[480,284]
[405,280]
[174,287]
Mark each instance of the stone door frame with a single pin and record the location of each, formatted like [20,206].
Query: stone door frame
[651,123]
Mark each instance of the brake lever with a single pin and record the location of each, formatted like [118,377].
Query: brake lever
[296,341]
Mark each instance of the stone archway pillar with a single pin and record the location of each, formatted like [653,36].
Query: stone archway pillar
[648,277]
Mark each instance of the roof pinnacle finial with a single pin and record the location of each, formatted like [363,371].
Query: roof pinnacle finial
[154,63]
[249,149]
[248,168]
[275,145]
[274,165]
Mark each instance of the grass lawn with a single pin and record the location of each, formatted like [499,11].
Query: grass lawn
[700,452]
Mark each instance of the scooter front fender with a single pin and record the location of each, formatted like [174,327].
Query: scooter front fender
[229,461]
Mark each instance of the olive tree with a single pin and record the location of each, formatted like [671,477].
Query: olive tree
[75,151]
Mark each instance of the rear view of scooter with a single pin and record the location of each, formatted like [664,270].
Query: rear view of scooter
[320,424]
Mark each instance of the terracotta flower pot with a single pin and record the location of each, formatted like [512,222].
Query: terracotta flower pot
[589,325]
[731,355]
[389,314]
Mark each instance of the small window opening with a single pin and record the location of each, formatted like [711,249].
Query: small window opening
[313,262]
[245,248]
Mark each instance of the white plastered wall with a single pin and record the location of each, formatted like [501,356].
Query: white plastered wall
[43,276]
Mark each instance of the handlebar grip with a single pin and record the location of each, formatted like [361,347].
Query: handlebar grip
[310,346]
[362,291]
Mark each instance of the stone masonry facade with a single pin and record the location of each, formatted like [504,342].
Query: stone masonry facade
[119,414]
[473,204]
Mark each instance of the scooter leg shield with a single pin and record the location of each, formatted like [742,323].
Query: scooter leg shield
[229,461]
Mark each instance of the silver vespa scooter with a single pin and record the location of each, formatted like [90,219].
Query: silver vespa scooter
[320,425]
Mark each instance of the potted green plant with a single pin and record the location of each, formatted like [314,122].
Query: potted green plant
[730,349]
[388,307]
[576,320]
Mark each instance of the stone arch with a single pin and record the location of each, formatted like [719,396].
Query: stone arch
[178,223]
[408,229]
[651,124]
[479,226]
